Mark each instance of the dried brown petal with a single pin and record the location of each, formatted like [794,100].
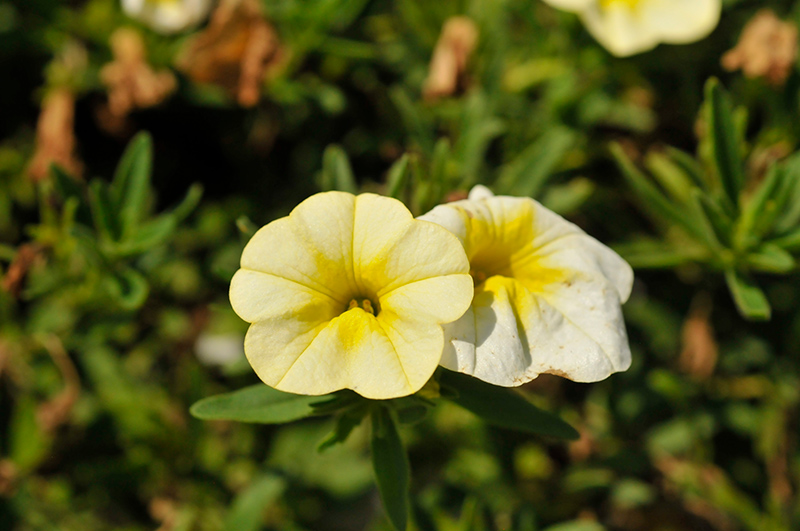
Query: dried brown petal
[237,51]
[131,81]
[55,136]
[700,352]
[767,48]
[446,74]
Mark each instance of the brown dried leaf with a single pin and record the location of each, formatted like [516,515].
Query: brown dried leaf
[447,71]
[131,81]
[767,48]
[55,136]
[237,51]
[27,255]
[700,352]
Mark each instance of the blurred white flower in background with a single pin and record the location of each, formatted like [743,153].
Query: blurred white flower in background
[627,27]
[168,16]
[219,349]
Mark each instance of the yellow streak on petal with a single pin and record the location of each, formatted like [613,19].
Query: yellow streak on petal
[357,351]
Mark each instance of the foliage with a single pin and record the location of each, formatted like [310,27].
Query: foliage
[114,315]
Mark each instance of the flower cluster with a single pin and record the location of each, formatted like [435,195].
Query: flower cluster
[353,292]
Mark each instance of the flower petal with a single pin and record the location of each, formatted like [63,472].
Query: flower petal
[404,250]
[437,300]
[578,333]
[257,296]
[312,246]
[379,358]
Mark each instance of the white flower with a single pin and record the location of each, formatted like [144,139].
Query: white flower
[168,16]
[547,296]
[627,27]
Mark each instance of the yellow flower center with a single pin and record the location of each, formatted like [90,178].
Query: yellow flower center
[365,304]
[630,4]
[504,247]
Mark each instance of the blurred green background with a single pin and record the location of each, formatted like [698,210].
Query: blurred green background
[114,316]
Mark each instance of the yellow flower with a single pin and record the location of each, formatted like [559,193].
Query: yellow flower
[168,16]
[547,296]
[349,292]
[627,27]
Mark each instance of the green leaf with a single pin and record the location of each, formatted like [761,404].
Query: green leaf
[397,178]
[131,184]
[750,300]
[770,258]
[336,171]
[345,425]
[690,166]
[104,214]
[670,175]
[652,198]
[503,407]
[528,172]
[390,462]
[161,228]
[758,207]
[247,511]
[652,254]
[725,141]
[258,403]
[129,288]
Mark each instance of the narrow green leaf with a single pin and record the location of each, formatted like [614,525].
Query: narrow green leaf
[336,171]
[503,407]
[259,403]
[397,178]
[131,184]
[158,230]
[345,424]
[690,166]
[392,471]
[789,242]
[771,258]
[65,184]
[247,511]
[103,212]
[670,175]
[651,254]
[757,207]
[653,198]
[750,300]
[528,172]
[788,209]
[725,141]
[439,162]
[129,288]
[711,220]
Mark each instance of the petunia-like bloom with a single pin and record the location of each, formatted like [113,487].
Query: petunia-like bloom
[168,16]
[349,292]
[627,27]
[547,295]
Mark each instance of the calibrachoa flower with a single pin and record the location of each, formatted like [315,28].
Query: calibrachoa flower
[349,292]
[168,16]
[547,296]
[627,27]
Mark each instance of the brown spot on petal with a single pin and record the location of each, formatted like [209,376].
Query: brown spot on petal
[447,70]
[767,48]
